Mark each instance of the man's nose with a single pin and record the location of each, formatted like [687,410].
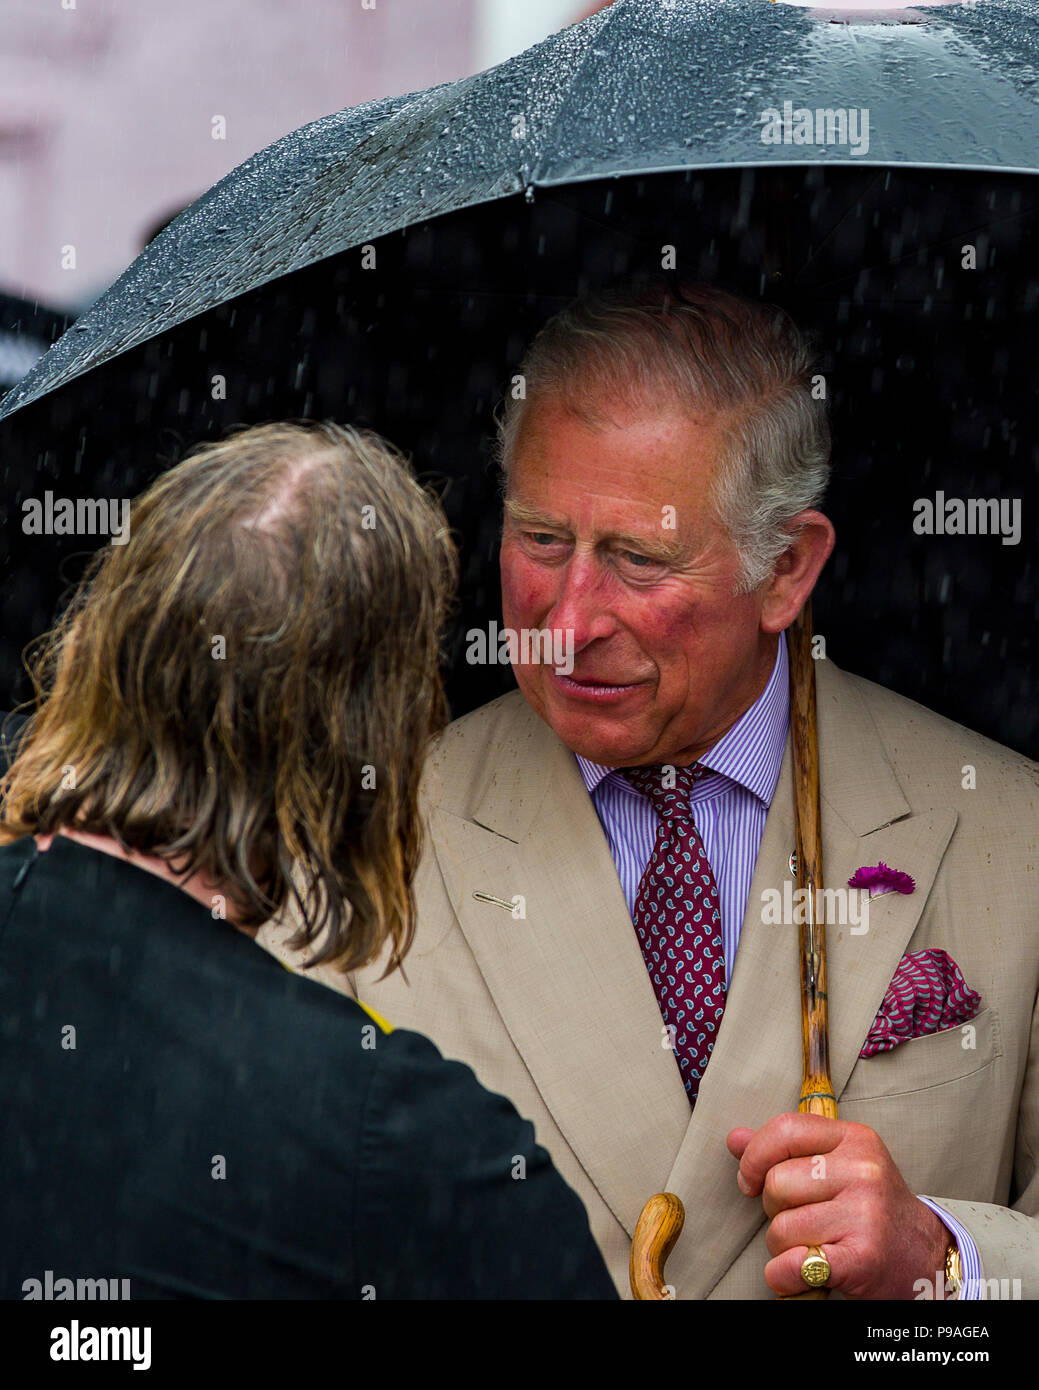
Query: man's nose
[581,604]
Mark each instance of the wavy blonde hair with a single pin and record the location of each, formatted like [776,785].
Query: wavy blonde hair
[249,685]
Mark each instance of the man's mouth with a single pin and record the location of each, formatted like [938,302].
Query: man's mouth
[594,688]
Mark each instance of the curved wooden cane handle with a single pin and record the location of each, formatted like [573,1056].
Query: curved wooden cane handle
[659,1226]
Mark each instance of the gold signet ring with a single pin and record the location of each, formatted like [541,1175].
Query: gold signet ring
[815,1267]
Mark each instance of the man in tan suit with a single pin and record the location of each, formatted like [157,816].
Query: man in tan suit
[663,473]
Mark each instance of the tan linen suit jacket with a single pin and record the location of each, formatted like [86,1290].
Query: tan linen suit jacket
[555,1008]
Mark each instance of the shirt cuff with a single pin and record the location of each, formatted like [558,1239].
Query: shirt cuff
[970,1260]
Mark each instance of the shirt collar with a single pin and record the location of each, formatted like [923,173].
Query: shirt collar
[751,753]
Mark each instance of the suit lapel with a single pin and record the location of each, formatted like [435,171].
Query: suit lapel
[755,1070]
[568,978]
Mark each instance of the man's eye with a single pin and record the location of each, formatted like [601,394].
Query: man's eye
[541,538]
[636,560]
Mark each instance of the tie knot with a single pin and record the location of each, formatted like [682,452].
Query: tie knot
[668,787]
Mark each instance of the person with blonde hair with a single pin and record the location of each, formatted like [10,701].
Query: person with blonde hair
[232,715]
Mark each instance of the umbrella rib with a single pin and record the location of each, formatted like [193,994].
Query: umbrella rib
[931,246]
[839,223]
[610,228]
[539,162]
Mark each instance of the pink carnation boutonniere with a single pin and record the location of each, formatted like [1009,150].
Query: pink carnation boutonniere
[878,878]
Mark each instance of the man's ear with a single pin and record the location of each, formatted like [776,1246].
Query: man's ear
[796,570]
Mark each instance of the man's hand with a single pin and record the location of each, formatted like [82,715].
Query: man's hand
[833,1183]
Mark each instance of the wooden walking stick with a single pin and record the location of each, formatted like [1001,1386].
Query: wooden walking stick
[662,1217]
[817,1096]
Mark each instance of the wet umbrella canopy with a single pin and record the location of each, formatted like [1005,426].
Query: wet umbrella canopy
[876,173]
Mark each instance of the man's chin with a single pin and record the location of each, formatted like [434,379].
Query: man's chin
[601,735]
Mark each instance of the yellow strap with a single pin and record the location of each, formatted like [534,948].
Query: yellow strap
[386,1027]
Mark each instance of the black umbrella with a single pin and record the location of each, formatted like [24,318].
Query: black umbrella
[387,265]
[27,330]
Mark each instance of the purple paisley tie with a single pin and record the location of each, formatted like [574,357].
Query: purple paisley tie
[678,922]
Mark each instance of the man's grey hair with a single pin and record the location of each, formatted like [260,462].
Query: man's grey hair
[705,351]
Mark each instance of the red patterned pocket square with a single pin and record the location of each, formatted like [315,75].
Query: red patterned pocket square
[927,995]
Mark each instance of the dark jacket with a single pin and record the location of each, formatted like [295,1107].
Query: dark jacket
[182,1112]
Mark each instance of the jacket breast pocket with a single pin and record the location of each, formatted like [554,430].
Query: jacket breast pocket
[926,1062]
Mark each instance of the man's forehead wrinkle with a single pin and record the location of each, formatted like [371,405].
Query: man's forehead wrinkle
[628,407]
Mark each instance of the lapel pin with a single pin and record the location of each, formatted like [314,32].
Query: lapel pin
[515,908]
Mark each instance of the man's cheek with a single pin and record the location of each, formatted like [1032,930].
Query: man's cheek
[525,592]
[670,624]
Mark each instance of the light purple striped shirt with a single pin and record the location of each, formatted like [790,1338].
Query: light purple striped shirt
[729,809]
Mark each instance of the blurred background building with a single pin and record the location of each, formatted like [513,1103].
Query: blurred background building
[115,114]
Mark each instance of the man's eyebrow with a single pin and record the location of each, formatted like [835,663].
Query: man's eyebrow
[530,516]
[668,552]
